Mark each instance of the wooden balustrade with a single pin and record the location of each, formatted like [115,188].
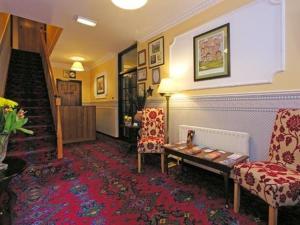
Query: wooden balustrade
[54,98]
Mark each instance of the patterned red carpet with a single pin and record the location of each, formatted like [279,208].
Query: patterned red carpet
[99,184]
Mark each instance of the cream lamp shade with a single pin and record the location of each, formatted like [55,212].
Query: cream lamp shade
[129,4]
[167,86]
[77,66]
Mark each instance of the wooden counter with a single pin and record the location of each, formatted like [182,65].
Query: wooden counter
[78,123]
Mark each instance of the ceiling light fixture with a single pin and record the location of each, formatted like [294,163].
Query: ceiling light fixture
[77,66]
[129,4]
[86,21]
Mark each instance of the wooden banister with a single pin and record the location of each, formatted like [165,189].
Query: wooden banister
[54,98]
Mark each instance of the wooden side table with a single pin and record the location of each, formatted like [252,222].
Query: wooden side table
[134,130]
[199,158]
[7,197]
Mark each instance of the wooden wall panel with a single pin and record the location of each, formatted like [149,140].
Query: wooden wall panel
[78,123]
[5,49]
[26,34]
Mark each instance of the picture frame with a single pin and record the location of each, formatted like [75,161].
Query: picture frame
[69,74]
[156,75]
[142,57]
[142,74]
[100,86]
[141,91]
[156,52]
[212,54]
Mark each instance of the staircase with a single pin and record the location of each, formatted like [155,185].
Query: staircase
[26,85]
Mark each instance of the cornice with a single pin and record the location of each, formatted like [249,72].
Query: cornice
[203,5]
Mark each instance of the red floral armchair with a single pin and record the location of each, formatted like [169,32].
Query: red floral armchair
[276,181]
[152,134]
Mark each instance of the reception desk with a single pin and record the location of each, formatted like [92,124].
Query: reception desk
[78,123]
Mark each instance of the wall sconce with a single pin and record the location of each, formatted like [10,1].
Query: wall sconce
[167,88]
[77,66]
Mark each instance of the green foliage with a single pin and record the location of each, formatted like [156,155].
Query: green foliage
[12,120]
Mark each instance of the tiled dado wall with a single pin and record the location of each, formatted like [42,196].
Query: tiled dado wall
[251,113]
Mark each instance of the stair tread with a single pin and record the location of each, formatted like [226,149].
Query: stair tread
[26,85]
[32,138]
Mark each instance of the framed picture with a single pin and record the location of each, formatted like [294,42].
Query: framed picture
[69,74]
[212,54]
[100,86]
[142,89]
[156,52]
[142,57]
[156,75]
[142,74]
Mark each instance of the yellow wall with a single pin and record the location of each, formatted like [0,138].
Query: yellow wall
[287,80]
[110,69]
[83,76]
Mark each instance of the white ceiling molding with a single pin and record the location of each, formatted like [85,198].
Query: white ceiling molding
[61,65]
[203,5]
[102,60]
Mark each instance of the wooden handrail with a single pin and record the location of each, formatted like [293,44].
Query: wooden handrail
[54,98]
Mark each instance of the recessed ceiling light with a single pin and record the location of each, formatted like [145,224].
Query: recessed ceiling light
[77,58]
[129,4]
[86,21]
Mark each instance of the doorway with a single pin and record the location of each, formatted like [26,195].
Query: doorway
[127,69]
[70,92]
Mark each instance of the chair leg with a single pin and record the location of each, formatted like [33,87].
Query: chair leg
[162,162]
[237,193]
[272,215]
[139,162]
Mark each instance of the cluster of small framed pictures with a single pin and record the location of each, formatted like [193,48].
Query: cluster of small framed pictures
[155,59]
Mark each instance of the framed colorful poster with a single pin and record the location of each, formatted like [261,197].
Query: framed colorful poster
[142,74]
[156,75]
[100,86]
[142,57]
[141,89]
[212,54]
[156,52]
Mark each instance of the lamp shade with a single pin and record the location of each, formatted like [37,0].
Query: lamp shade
[77,66]
[129,4]
[167,87]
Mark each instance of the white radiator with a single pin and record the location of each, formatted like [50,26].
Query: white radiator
[231,141]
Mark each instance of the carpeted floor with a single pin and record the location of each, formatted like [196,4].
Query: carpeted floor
[99,184]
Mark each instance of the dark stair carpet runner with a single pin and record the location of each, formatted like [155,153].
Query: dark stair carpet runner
[26,85]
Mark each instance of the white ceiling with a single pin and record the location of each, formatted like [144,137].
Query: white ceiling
[116,30]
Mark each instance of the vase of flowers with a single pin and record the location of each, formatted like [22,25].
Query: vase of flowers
[11,121]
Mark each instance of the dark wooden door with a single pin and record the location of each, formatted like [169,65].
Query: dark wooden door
[29,34]
[70,92]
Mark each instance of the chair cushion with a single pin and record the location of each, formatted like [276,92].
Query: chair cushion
[150,145]
[274,183]
[284,146]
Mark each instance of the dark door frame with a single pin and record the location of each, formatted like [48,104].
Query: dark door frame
[120,73]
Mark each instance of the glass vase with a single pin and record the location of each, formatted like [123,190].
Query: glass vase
[3,150]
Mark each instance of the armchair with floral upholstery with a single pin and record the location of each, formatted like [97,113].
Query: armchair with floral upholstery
[276,181]
[152,135]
